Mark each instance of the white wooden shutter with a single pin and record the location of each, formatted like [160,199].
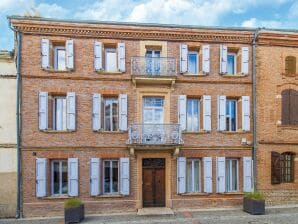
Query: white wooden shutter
[246,113]
[220,174]
[43,111]
[41,177]
[207,113]
[182,111]
[45,53]
[221,107]
[183,58]
[247,185]
[96,112]
[206,58]
[73,177]
[123,112]
[223,59]
[121,57]
[71,111]
[244,60]
[69,54]
[124,176]
[94,176]
[181,175]
[207,174]
[97,56]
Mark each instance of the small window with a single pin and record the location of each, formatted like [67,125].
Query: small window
[289,107]
[193,106]
[232,63]
[110,60]
[110,114]
[231,115]
[290,65]
[231,175]
[110,176]
[193,62]
[59,179]
[59,113]
[193,175]
[59,58]
[282,167]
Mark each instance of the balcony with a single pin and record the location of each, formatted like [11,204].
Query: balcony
[155,134]
[153,70]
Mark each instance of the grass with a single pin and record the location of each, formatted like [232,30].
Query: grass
[258,196]
[72,202]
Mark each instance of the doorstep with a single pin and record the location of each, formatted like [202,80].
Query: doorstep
[155,211]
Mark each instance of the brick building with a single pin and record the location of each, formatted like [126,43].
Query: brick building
[127,116]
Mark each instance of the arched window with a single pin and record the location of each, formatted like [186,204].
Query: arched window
[290,65]
[282,167]
[289,115]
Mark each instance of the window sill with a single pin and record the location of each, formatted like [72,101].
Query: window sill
[234,132]
[110,132]
[288,127]
[56,197]
[290,75]
[196,194]
[110,196]
[195,75]
[58,71]
[56,131]
[103,72]
[238,75]
[231,193]
[196,132]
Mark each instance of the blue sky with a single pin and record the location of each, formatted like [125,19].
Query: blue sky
[240,13]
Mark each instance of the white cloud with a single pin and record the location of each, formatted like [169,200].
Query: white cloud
[254,22]
[51,10]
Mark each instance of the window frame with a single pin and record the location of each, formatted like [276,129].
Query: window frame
[56,61]
[229,116]
[111,176]
[231,174]
[153,108]
[197,62]
[110,114]
[60,161]
[54,122]
[192,117]
[235,62]
[193,160]
[111,50]
[285,169]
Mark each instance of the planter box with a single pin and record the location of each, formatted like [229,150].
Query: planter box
[254,207]
[74,215]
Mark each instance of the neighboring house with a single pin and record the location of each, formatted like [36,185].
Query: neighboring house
[127,116]
[8,153]
[277,116]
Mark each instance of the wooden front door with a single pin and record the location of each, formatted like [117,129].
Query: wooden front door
[153,182]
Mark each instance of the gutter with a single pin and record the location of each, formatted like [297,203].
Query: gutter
[18,122]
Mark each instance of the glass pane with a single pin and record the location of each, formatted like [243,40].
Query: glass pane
[61,59]
[158,116]
[148,116]
[197,176]
[233,115]
[192,63]
[189,176]
[228,187]
[64,177]
[115,176]
[107,178]
[231,64]
[115,115]
[189,114]
[149,54]
[111,61]
[56,178]
[234,175]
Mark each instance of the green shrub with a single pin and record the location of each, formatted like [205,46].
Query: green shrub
[72,202]
[258,196]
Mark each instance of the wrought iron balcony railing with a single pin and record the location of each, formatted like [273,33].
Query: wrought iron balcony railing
[153,66]
[155,134]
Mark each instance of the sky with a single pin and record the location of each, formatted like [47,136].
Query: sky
[228,13]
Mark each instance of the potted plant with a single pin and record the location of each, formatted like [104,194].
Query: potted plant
[73,210]
[254,203]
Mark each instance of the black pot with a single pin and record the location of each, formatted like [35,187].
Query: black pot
[254,207]
[74,214]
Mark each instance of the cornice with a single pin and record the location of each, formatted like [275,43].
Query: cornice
[278,39]
[130,32]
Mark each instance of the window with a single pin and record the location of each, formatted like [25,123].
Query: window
[59,58]
[59,113]
[282,167]
[110,60]
[153,62]
[59,179]
[290,65]
[111,114]
[193,62]
[193,175]
[231,115]
[110,176]
[231,175]
[193,114]
[289,107]
[153,110]
[232,63]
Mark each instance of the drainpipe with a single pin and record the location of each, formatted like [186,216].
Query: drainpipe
[18,120]
[254,94]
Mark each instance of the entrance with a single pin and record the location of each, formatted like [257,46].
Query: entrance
[153,182]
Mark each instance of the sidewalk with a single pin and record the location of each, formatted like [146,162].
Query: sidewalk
[274,215]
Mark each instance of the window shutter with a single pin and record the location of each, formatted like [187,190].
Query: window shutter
[45,53]
[181,173]
[220,174]
[293,107]
[290,65]
[207,174]
[41,177]
[73,177]
[182,111]
[246,113]
[43,110]
[124,176]
[183,58]
[244,60]
[207,113]
[221,107]
[97,56]
[206,58]
[223,59]
[69,54]
[123,112]
[285,115]
[121,57]
[96,112]
[71,111]
[94,176]
[247,187]
[275,168]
